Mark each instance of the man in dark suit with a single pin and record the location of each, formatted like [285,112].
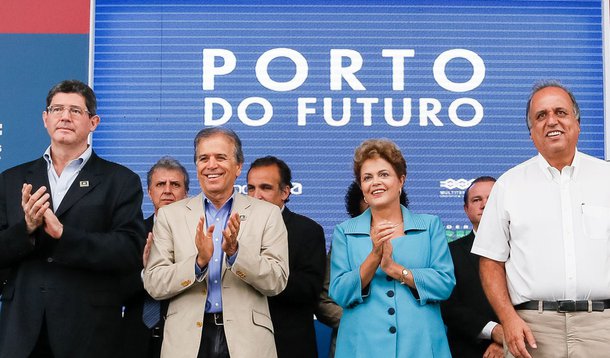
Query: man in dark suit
[167,182]
[70,226]
[269,179]
[472,325]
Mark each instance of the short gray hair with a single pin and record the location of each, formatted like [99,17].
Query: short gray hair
[544,84]
[211,131]
[169,163]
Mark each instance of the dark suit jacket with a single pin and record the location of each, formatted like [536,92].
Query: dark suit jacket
[467,311]
[138,340]
[72,283]
[3,277]
[292,310]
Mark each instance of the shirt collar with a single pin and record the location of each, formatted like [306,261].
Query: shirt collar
[207,201]
[81,159]
[551,172]
[362,224]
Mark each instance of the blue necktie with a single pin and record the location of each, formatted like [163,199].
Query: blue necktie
[151,312]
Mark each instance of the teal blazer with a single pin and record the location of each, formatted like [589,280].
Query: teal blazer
[387,319]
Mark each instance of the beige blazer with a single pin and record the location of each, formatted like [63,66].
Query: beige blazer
[260,270]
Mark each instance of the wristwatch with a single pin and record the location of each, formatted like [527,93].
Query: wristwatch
[403,276]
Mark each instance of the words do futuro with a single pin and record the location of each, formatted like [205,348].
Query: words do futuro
[344,65]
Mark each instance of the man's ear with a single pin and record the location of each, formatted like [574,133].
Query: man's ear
[285,192]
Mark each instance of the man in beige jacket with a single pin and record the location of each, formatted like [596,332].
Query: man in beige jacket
[217,257]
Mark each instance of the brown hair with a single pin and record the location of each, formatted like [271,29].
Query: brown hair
[379,148]
[78,87]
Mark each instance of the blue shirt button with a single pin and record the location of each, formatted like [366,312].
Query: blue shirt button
[391,311]
[390,293]
[392,329]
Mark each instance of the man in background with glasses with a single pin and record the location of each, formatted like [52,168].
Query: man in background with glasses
[70,227]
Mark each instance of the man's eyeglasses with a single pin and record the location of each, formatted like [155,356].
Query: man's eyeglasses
[73,111]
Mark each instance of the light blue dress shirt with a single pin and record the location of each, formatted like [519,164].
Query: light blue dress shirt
[219,218]
[60,184]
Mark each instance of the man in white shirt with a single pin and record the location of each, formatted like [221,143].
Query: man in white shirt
[544,237]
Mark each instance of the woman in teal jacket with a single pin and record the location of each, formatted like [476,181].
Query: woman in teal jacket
[389,267]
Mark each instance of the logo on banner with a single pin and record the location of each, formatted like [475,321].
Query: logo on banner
[453,188]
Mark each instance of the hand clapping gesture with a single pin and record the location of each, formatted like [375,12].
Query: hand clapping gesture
[380,234]
[204,243]
[229,235]
[37,213]
[34,206]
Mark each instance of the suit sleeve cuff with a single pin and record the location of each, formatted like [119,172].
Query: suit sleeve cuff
[231,259]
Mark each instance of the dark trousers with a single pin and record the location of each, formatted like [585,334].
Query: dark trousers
[42,349]
[213,341]
[156,339]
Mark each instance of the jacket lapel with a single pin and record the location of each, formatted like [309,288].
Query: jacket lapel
[195,206]
[241,205]
[362,224]
[88,178]
[286,215]
[466,244]
[37,175]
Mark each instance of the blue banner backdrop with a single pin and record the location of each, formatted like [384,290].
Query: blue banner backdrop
[308,81]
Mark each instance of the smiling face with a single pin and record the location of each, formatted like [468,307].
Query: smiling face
[66,129]
[217,167]
[379,183]
[166,186]
[554,127]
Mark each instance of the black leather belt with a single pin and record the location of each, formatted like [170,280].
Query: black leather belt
[215,318]
[563,306]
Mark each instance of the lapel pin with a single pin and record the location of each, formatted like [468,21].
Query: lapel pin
[84,183]
[242,217]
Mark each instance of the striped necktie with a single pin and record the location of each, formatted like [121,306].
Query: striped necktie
[151,312]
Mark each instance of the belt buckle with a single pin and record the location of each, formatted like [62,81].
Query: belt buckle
[156,332]
[564,306]
[217,317]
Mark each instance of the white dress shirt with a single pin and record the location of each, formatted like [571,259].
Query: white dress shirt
[551,229]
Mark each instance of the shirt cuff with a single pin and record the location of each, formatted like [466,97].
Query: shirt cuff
[486,331]
[231,259]
[200,272]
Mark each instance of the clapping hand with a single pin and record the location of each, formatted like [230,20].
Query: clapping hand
[34,206]
[380,234]
[229,235]
[204,243]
